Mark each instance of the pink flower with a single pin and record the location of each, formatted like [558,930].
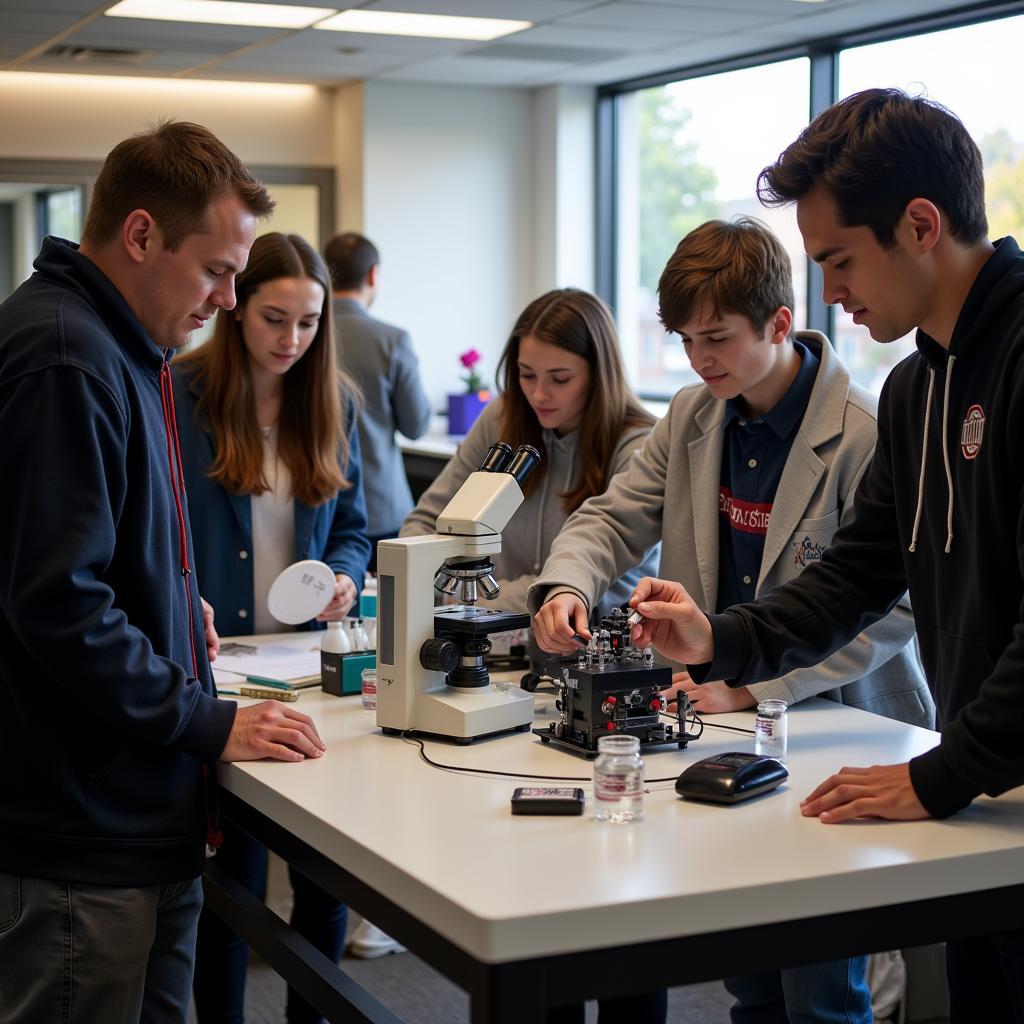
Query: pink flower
[470,358]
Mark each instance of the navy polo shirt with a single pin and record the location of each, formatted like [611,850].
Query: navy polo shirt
[754,454]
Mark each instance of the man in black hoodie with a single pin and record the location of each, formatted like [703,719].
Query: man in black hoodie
[110,725]
[890,202]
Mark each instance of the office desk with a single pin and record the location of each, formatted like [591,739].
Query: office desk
[523,912]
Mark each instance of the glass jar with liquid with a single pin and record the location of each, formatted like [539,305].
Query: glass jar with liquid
[618,780]
[771,727]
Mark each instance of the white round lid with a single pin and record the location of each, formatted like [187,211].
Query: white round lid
[301,592]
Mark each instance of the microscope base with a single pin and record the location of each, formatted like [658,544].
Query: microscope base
[464,715]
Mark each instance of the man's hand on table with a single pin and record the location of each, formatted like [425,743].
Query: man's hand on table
[882,791]
[270,729]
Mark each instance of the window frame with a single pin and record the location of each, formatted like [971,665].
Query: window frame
[823,54]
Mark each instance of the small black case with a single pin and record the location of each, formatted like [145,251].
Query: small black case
[730,778]
[547,800]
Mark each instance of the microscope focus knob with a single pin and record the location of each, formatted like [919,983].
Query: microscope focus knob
[438,655]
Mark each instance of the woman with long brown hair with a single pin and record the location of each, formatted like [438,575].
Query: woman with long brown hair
[271,462]
[564,391]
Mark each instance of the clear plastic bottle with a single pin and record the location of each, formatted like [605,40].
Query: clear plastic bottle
[771,727]
[368,678]
[371,634]
[618,780]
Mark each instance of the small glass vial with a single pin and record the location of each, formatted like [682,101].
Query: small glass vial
[369,687]
[618,780]
[770,729]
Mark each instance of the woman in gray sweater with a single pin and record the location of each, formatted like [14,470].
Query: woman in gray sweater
[564,391]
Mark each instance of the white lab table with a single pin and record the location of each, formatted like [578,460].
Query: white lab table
[528,911]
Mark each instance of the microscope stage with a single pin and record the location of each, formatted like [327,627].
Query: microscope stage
[467,620]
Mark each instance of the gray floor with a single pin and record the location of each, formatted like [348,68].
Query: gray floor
[416,993]
[419,995]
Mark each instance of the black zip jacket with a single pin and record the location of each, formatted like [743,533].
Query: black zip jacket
[109,713]
[962,554]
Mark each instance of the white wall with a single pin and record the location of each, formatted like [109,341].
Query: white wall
[448,191]
[81,117]
[479,199]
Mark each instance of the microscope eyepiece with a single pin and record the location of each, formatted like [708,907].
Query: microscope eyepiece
[497,458]
[523,463]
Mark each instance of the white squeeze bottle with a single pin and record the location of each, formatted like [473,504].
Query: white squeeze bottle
[362,640]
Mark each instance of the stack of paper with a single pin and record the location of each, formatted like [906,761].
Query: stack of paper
[286,664]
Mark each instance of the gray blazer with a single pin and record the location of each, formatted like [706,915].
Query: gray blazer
[380,359]
[670,491]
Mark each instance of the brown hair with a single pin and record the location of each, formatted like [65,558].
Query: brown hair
[734,266]
[173,172]
[580,323]
[312,439]
[350,258]
[875,151]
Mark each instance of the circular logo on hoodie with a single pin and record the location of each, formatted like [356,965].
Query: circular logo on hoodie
[971,432]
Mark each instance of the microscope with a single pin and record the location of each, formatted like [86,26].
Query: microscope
[431,675]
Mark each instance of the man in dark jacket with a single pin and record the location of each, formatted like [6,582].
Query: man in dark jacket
[890,202]
[111,726]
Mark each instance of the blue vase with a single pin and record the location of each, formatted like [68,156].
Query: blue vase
[463,410]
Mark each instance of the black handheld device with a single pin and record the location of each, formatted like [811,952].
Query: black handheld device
[731,777]
[547,800]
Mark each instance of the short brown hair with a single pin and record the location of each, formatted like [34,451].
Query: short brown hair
[874,152]
[734,266]
[172,171]
[350,258]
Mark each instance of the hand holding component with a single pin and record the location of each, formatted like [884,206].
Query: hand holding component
[559,622]
[344,597]
[882,791]
[671,622]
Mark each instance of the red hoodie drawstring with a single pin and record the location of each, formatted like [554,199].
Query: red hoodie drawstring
[214,838]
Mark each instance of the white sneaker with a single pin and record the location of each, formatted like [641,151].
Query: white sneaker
[368,942]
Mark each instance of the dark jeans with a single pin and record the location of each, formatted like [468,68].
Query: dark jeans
[986,979]
[835,992]
[223,958]
[83,953]
[649,1008]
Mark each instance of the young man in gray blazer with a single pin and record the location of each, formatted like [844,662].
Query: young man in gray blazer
[381,360]
[745,481]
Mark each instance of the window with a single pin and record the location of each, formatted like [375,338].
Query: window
[690,151]
[986,101]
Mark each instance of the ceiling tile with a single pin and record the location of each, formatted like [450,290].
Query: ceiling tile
[77,7]
[520,10]
[165,35]
[469,71]
[650,17]
[596,38]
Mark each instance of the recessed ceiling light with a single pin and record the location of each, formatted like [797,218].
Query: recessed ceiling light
[434,26]
[221,12]
[808,1]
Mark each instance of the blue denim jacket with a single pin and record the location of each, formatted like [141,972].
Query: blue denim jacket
[334,532]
